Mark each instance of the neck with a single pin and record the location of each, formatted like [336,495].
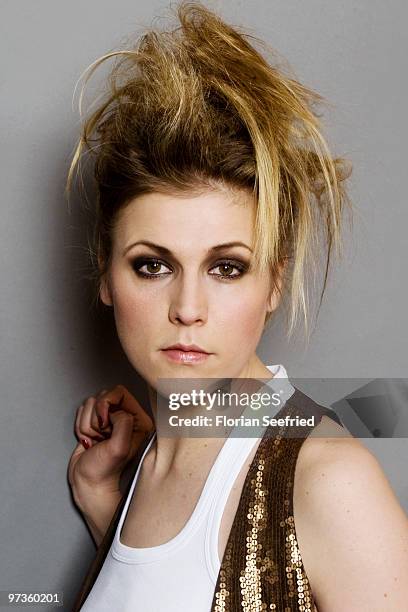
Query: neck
[176,453]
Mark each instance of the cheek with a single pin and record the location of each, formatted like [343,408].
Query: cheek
[242,318]
[138,317]
[136,311]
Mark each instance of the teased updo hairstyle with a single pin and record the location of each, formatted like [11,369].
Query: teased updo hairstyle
[198,106]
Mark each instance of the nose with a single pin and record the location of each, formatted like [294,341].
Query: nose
[188,303]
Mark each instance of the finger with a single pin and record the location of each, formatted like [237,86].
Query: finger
[81,429]
[77,420]
[119,398]
[84,442]
[120,441]
[96,422]
[85,425]
[101,393]
[108,402]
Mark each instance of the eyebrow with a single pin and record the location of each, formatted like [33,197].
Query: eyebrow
[167,252]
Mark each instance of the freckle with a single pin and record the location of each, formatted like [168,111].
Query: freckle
[323,474]
[385,594]
[395,578]
[347,510]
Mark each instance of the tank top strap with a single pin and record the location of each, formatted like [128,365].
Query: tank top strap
[262,562]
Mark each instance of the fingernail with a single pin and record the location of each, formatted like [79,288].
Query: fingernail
[85,443]
[100,419]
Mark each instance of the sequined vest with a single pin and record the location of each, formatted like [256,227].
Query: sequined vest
[262,568]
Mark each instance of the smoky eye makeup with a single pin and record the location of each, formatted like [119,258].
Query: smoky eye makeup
[152,267]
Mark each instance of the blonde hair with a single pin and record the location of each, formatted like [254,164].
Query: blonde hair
[198,106]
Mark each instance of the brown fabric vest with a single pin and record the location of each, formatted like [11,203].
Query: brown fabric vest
[262,567]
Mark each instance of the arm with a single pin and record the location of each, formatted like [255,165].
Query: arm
[353,533]
[96,469]
[97,507]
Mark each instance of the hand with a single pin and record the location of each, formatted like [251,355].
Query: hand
[110,428]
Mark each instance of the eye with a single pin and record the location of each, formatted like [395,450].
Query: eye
[227,266]
[153,267]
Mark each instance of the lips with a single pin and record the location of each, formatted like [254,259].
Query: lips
[186,348]
[186,353]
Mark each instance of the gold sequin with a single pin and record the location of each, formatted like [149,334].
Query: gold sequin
[262,568]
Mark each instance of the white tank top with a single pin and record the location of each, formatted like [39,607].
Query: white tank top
[182,572]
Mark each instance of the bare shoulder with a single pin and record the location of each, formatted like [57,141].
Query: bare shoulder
[352,531]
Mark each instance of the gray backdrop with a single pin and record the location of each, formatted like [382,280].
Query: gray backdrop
[56,352]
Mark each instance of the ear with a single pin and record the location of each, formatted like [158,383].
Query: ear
[273,301]
[275,295]
[105,293]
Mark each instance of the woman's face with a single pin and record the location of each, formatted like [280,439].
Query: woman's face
[187,286]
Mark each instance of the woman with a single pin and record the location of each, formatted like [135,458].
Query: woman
[214,183]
